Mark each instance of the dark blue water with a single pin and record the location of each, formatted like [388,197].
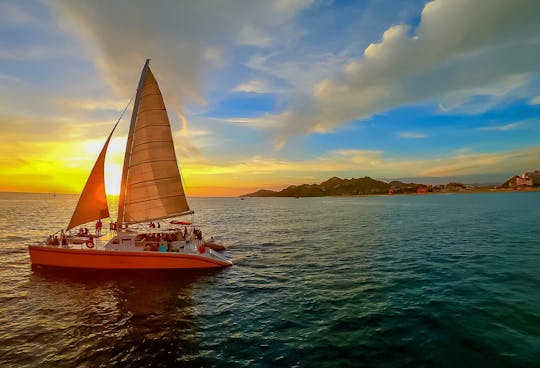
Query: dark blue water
[408,281]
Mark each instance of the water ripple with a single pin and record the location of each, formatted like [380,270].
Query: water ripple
[328,282]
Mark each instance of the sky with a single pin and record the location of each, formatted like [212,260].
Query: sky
[265,94]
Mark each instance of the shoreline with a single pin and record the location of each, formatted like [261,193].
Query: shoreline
[466,191]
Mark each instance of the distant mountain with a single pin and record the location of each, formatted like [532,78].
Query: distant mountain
[332,187]
[336,186]
[398,187]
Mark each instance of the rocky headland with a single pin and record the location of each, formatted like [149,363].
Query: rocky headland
[367,186]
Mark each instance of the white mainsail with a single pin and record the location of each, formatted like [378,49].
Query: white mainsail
[151,183]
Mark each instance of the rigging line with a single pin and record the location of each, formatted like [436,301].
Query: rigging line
[124,111]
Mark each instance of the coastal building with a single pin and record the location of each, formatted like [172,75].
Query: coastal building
[455,187]
[533,176]
[524,181]
[423,189]
[527,179]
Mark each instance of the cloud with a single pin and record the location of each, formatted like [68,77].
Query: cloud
[502,128]
[91,104]
[183,39]
[374,163]
[17,14]
[535,100]
[484,163]
[251,36]
[412,135]
[60,129]
[9,79]
[37,53]
[256,123]
[253,86]
[459,47]
[321,166]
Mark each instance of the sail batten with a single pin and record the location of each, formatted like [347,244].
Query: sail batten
[150,126]
[153,161]
[150,142]
[148,181]
[154,199]
[151,181]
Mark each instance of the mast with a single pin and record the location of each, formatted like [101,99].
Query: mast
[129,147]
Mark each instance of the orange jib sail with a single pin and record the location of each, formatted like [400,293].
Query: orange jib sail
[92,203]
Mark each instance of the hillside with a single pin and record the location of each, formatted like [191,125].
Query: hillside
[332,187]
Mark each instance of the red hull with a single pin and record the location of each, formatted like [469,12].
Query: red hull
[115,260]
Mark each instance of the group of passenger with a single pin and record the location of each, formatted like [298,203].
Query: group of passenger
[54,240]
[197,233]
[154,241]
[99,226]
[168,237]
[83,232]
[163,241]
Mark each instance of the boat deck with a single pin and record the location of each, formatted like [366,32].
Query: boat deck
[110,255]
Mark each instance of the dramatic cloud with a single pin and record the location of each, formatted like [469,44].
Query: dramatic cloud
[428,78]
[183,39]
[459,47]
[348,163]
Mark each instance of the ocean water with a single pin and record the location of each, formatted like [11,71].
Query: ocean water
[386,281]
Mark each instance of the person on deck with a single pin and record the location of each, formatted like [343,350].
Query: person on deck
[99,225]
[162,245]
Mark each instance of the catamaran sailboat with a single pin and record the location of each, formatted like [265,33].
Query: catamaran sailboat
[151,190]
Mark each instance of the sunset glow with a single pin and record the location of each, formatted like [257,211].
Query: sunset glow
[281,93]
